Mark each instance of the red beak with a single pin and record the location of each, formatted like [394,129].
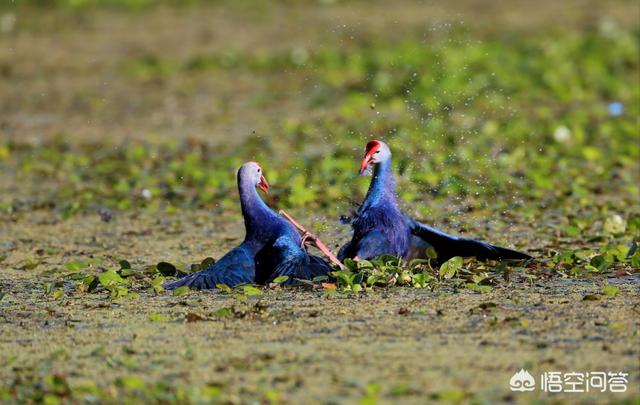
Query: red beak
[368,158]
[263,184]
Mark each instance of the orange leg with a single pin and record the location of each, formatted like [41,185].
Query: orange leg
[309,239]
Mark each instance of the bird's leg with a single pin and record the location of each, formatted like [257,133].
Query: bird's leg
[293,221]
[309,239]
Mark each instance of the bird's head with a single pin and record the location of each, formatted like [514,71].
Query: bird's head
[374,152]
[253,172]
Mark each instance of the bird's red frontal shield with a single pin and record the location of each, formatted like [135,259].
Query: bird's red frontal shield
[371,148]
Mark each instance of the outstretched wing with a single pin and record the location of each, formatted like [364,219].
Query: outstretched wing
[234,268]
[448,246]
[372,244]
[285,257]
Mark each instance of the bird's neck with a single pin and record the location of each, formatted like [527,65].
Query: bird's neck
[257,215]
[383,186]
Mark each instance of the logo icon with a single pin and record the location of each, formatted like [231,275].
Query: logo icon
[522,381]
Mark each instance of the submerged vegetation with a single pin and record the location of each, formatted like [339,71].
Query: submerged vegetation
[526,139]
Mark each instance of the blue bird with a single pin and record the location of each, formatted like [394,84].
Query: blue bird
[271,248]
[379,227]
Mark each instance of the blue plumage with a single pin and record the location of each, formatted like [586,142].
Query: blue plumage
[235,267]
[271,248]
[285,258]
[379,227]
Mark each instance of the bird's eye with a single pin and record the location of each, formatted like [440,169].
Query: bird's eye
[259,169]
[376,152]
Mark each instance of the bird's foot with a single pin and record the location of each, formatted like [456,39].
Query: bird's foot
[309,239]
[312,240]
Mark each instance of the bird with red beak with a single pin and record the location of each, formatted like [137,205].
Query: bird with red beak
[272,246]
[263,184]
[379,227]
[375,152]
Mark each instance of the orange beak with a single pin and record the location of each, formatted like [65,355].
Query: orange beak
[368,158]
[263,184]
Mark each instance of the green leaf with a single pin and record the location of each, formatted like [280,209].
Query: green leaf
[431,253]
[588,268]
[343,277]
[75,266]
[30,264]
[449,268]
[619,252]
[224,288]
[610,290]
[350,264]
[421,280]
[591,153]
[600,262]
[417,262]
[157,318]
[156,284]
[118,291]
[251,290]
[223,312]
[180,291]
[572,231]
[166,269]
[131,383]
[241,297]
[89,283]
[373,279]
[209,261]
[126,272]
[281,279]
[364,264]
[110,278]
[454,396]
[482,289]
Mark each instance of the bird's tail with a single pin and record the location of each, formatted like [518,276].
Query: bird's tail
[448,246]
[485,251]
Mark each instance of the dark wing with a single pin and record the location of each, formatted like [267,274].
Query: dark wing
[234,268]
[285,257]
[371,245]
[448,246]
[345,251]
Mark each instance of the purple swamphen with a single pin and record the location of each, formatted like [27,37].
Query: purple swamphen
[272,246]
[379,227]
